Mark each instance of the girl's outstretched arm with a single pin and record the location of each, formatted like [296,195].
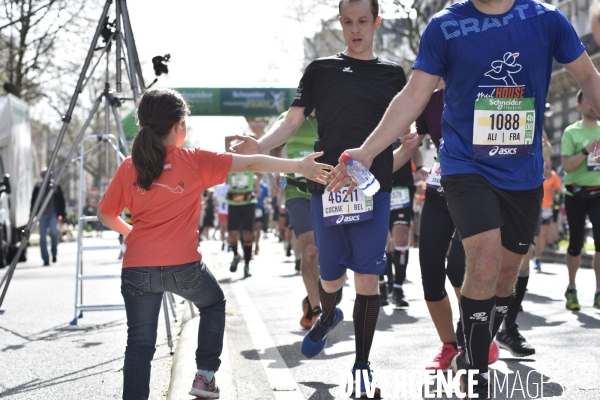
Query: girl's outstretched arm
[307,166]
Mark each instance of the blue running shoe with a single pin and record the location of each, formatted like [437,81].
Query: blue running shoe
[315,340]
[374,392]
[537,264]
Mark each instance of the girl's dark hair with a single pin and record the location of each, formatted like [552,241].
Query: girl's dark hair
[158,110]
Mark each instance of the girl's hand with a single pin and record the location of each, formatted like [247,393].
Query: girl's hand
[313,170]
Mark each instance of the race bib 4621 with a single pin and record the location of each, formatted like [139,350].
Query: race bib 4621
[346,208]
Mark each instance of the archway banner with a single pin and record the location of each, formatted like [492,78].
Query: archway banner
[244,102]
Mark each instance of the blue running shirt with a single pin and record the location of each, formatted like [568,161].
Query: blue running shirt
[497,71]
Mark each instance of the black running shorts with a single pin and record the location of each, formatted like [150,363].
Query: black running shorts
[241,217]
[476,206]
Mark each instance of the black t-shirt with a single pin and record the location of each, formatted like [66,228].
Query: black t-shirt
[349,97]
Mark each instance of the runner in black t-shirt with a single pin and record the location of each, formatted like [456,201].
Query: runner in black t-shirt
[349,93]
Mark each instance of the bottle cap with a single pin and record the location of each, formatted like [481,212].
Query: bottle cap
[346,157]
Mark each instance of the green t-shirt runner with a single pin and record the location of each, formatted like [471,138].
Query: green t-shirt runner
[575,138]
[299,146]
[241,185]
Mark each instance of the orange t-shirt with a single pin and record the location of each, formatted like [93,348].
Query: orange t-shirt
[551,186]
[165,218]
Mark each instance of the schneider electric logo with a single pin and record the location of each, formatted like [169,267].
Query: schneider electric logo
[503,151]
[347,218]
[503,104]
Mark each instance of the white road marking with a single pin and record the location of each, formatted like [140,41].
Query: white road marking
[280,377]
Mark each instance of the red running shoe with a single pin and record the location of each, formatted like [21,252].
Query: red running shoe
[442,361]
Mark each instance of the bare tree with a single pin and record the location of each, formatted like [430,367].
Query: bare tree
[32,33]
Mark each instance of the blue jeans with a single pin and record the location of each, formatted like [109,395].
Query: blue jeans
[48,226]
[142,288]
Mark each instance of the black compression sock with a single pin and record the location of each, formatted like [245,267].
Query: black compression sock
[366,311]
[247,251]
[503,304]
[400,264]
[513,311]
[328,303]
[234,249]
[476,318]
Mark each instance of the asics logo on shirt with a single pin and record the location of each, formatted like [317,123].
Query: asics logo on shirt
[502,152]
[347,69]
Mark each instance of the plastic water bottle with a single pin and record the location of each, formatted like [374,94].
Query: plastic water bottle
[363,177]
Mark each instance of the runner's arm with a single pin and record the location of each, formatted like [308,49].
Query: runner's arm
[403,154]
[404,109]
[279,133]
[588,78]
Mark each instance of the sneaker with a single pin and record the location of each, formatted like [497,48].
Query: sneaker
[46,263]
[512,341]
[537,265]
[494,352]
[363,366]
[204,390]
[247,273]
[308,316]
[572,301]
[288,253]
[297,267]
[442,361]
[315,340]
[597,300]
[398,298]
[480,389]
[53,259]
[383,297]
[223,246]
[234,263]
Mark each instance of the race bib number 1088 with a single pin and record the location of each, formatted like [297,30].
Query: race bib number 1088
[503,127]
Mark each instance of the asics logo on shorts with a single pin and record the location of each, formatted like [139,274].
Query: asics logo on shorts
[502,152]
[347,218]
[480,316]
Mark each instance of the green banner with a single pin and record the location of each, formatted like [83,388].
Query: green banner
[245,102]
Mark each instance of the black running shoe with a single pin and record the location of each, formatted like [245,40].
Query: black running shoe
[398,298]
[480,388]
[234,263]
[247,273]
[512,341]
[383,297]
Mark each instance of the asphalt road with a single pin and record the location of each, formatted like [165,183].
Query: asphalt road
[43,357]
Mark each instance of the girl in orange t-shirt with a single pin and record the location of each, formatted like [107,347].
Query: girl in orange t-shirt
[161,184]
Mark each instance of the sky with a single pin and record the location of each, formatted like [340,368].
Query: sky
[219,43]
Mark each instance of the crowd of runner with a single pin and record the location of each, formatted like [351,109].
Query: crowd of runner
[489,205]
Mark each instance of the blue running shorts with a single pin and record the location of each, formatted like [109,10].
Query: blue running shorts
[359,247]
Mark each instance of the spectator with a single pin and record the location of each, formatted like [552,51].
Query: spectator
[53,213]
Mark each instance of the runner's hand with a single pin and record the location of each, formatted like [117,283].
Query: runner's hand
[313,170]
[341,177]
[410,140]
[420,175]
[248,146]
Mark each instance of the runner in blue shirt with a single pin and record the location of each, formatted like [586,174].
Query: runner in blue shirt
[496,59]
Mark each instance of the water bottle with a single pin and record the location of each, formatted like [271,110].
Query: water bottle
[363,177]
[283,182]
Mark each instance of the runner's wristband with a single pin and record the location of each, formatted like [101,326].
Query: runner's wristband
[585,152]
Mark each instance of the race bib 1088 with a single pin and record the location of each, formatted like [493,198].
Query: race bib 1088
[503,127]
